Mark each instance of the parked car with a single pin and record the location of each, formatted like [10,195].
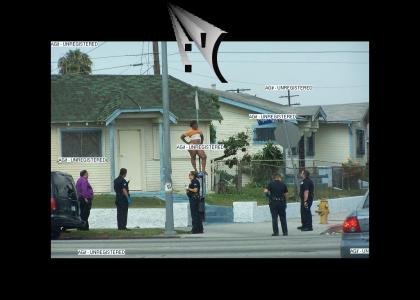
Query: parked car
[65,210]
[355,237]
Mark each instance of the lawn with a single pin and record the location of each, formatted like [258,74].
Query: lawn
[250,193]
[108,201]
[107,233]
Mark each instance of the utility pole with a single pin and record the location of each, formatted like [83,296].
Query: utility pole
[295,175]
[238,90]
[156,66]
[167,169]
[288,98]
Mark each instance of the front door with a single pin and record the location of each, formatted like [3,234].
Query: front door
[130,157]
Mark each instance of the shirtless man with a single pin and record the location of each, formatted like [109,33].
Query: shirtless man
[196,137]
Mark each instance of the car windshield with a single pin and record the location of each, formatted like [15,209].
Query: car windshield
[366,204]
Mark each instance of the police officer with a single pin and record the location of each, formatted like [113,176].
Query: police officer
[306,199]
[277,192]
[121,199]
[193,193]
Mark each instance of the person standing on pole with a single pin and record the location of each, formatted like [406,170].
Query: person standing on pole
[306,199]
[277,193]
[196,137]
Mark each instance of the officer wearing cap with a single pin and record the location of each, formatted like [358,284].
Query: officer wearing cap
[277,193]
[121,199]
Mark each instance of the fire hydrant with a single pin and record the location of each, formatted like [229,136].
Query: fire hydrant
[323,211]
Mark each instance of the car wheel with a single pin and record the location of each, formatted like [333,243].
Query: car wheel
[55,234]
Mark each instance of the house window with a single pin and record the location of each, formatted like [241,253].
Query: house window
[360,142]
[264,134]
[310,142]
[294,151]
[81,143]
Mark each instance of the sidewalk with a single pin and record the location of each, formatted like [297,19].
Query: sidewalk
[265,229]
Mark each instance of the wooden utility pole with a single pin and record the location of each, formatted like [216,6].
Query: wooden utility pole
[156,66]
[288,98]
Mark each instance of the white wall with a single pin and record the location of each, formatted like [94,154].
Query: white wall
[99,173]
[249,212]
[140,217]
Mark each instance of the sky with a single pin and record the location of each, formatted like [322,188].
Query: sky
[337,71]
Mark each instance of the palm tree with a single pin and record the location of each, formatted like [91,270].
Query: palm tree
[75,62]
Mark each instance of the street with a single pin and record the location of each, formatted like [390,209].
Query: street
[235,240]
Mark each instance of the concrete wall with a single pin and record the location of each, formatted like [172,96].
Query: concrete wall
[249,212]
[140,217]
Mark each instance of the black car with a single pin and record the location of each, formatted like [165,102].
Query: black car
[65,210]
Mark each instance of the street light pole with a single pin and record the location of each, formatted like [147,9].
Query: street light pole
[167,169]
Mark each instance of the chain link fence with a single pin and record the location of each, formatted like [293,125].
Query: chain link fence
[331,179]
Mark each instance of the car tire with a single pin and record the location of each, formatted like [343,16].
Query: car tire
[55,234]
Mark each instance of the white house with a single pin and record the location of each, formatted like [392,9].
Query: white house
[114,121]
[330,134]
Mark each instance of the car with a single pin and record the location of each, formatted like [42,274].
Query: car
[355,237]
[65,208]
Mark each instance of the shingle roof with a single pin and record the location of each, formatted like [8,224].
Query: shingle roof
[334,112]
[346,112]
[266,104]
[95,97]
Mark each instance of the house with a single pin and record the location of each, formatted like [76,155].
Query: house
[107,122]
[330,134]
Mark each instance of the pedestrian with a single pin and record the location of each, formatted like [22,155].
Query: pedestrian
[306,194]
[277,194]
[196,137]
[193,193]
[85,194]
[121,199]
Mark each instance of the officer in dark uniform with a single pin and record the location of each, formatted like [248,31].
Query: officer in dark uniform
[121,199]
[306,199]
[193,193]
[277,192]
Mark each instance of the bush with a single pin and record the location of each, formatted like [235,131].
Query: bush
[262,171]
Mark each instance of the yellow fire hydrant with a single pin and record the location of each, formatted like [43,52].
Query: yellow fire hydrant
[323,211]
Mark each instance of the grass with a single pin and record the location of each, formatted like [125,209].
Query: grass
[107,233]
[250,193]
[108,201]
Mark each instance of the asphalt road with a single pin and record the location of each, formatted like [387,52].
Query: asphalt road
[303,245]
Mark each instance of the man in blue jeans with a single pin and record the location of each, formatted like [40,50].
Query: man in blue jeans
[306,198]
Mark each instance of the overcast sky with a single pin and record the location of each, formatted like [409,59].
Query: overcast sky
[338,72]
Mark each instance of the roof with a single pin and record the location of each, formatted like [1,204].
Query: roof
[90,98]
[271,106]
[346,112]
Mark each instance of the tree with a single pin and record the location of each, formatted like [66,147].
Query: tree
[232,145]
[75,62]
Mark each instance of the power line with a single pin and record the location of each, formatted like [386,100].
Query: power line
[263,84]
[95,48]
[125,55]
[281,62]
[286,52]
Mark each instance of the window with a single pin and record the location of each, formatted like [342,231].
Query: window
[310,145]
[360,142]
[264,134]
[294,151]
[81,143]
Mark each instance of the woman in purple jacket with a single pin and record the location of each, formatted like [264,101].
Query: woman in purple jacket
[85,193]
